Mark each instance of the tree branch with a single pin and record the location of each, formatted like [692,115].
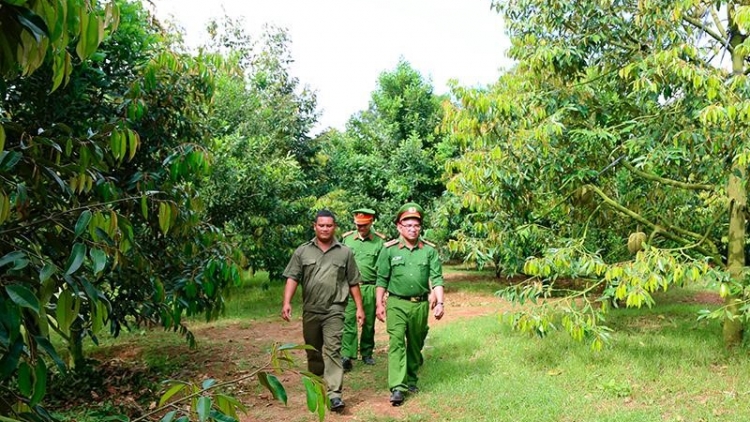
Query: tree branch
[717,22]
[665,181]
[661,229]
[698,24]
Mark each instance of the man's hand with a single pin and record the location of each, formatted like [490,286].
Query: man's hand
[432,299]
[360,317]
[380,312]
[286,311]
[438,310]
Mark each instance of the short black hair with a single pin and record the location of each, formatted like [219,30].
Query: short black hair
[325,213]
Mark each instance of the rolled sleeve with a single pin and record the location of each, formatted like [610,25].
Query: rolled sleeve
[293,269]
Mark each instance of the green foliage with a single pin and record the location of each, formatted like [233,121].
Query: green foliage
[209,400]
[260,187]
[390,153]
[100,223]
[617,119]
[41,31]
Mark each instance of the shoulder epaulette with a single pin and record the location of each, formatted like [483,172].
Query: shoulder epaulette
[348,233]
[380,235]
[390,243]
[429,243]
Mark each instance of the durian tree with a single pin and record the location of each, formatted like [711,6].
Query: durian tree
[624,123]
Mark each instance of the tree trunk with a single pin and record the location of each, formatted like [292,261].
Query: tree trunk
[75,346]
[733,327]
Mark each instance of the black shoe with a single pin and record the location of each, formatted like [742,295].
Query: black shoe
[337,405]
[413,389]
[397,398]
[347,364]
[368,360]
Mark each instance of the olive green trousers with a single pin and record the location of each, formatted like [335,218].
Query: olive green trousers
[323,332]
[367,339]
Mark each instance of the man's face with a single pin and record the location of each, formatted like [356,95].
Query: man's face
[364,229]
[324,227]
[409,229]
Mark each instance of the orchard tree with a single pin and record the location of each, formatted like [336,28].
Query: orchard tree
[262,184]
[391,152]
[100,223]
[619,114]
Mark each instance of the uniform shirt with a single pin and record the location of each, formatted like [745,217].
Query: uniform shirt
[409,272]
[366,251]
[325,276]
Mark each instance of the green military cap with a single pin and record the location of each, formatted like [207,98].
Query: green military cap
[363,215]
[409,210]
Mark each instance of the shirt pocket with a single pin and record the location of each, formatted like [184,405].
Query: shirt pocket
[339,270]
[308,268]
[398,267]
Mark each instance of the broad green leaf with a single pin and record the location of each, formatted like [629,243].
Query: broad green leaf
[82,223]
[2,138]
[40,382]
[9,361]
[169,417]
[11,257]
[99,258]
[203,408]
[22,296]
[221,417]
[68,306]
[25,381]
[76,258]
[132,143]
[277,389]
[46,272]
[164,217]
[99,317]
[208,383]
[292,346]
[144,206]
[51,352]
[171,392]
[311,393]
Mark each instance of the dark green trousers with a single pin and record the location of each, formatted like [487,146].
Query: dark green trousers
[406,323]
[323,332]
[367,339]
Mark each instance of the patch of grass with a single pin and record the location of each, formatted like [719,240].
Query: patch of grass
[258,298]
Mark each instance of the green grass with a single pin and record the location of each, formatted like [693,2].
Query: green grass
[662,365]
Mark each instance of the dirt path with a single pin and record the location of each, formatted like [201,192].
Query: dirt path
[245,339]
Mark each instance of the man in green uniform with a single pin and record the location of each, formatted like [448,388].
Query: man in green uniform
[366,245]
[409,269]
[328,274]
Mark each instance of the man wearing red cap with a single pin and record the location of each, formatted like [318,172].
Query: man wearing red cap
[409,269]
[366,245]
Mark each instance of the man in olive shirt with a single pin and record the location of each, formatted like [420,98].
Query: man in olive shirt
[408,268]
[366,245]
[328,274]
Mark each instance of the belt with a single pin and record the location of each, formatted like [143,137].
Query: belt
[414,299]
[367,283]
